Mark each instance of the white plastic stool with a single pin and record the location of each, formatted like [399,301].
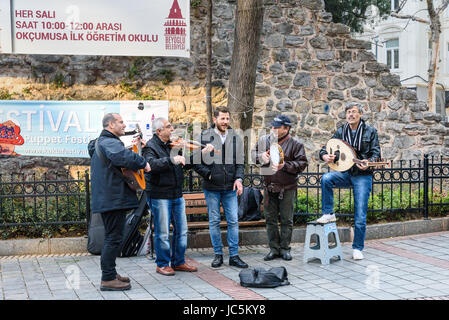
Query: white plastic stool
[322,250]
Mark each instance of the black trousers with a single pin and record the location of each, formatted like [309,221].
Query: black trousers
[114,222]
[276,211]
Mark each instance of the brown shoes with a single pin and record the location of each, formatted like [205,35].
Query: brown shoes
[114,285]
[123,279]
[186,267]
[166,271]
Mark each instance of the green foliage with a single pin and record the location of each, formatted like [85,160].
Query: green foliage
[380,202]
[168,75]
[5,95]
[26,91]
[353,12]
[134,69]
[50,208]
[58,81]
[195,3]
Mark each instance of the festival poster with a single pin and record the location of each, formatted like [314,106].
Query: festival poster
[64,128]
[100,27]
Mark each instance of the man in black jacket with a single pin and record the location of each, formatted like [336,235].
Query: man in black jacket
[111,196]
[222,167]
[364,140]
[164,189]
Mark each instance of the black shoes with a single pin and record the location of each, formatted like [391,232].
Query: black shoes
[218,261]
[233,261]
[271,256]
[237,262]
[286,256]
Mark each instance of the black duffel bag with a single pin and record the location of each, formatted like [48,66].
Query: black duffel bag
[261,278]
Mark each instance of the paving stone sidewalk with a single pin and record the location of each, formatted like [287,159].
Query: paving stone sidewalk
[413,267]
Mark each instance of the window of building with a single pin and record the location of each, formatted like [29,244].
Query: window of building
[394,5]
[392,47]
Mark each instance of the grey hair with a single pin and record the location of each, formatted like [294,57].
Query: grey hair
[158,123]
[351,105]
[108,118]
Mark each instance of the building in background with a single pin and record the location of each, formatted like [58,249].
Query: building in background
[405,47]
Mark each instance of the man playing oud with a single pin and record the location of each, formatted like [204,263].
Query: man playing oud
[365,142]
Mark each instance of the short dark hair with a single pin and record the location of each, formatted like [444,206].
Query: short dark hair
[222,110]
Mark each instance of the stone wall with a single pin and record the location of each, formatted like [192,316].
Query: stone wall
[308,68]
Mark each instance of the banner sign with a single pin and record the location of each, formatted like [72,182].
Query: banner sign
[100,27]
[64,128]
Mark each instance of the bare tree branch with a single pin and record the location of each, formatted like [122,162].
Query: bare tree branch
[443,7]
[409,17]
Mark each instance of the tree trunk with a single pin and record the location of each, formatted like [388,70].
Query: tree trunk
[209,64]
[245,55]
[435,31]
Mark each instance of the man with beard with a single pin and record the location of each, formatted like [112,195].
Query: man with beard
[364,140]
[222,168]
[280,185]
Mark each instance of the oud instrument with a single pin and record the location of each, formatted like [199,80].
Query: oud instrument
[346,157]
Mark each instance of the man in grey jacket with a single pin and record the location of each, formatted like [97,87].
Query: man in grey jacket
[280,184]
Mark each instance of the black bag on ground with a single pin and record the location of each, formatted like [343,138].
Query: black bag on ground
[95,234]
[132,238]
[261,278]
[249,204]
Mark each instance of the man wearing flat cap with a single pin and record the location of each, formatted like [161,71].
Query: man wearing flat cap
[280,181]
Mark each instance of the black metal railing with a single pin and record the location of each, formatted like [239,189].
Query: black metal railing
[50,199]
[415,187]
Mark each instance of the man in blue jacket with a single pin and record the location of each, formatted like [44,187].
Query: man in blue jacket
[111,196]
[222,167]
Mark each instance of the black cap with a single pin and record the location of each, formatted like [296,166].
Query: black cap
[281,120]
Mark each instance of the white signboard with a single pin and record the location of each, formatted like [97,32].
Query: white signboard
[64,128]
[99,27]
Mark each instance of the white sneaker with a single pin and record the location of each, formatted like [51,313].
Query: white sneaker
[326,218]
[357,254]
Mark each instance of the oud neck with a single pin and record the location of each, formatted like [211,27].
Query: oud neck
[371,163]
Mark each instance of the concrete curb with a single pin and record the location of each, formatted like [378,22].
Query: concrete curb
[201,239]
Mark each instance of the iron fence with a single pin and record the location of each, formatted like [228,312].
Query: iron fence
[47,199]
[418,187]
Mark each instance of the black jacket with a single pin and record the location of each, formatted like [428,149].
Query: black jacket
[220,169]
[109,191]
[370,148]
[165,180]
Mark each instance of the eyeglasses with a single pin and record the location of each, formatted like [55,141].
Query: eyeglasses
[352,111]
[168,126]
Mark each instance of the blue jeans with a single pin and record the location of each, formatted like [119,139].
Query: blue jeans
[164,212]
[362,186]
[230,207]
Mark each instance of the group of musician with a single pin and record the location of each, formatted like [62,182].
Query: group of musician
[221,164]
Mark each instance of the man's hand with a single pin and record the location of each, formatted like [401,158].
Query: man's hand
[238,184]
[265,157]
[179,160]
[277,167]
[147,168]
[363,166]
[208,148]
[329,158]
